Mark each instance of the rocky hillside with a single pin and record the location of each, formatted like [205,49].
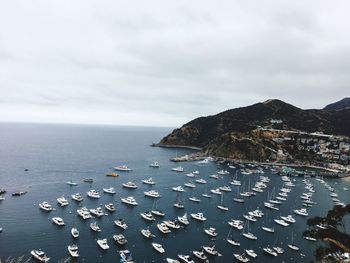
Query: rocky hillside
[342,104]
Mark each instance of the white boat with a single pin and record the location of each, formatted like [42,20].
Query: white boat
[211,232]
[46,206]
[158,247]
[149,181]
[163,228]
[122,168]
[179,205]
[196,172]
[157,212]
[223,172]
[289,219]
[84,213]
[190,185]
[250,218]
[279,250]
[301,212]
[293,247]
[281,222]
[201,181]
[171,260]
[110,207]
[200,255]
[94,226]
[251,253]
[241,258]
[256,213]
[216,191]
[238,200]
[73,251]
[58,221]
[270,206]
[148,216]
[152,193]
[62,201]
[120,239]
[185,258]
[93,194]
[183,219]
[235,182]
[233,242]
[221,205]
[130,185]
[97,212]
[206,195]
[125,256]
[147,233]
[129,200]
[250,236]
[268,229]
[75,233]
[39,255]
[71,183]
[77,197]
[214,176]
[225,188]
[103,243]
[310,238]
[194,199]
[121,223]
[270,251]
[198,216]
[109,190]
[211,250]
[178,169]
[172,224]
[178,189]
[154,165]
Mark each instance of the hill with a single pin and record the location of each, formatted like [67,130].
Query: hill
[342,104]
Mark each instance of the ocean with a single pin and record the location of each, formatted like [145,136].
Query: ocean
[55,154]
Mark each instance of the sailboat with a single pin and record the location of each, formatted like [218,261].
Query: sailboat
[292,246]
[230,240]
[221,206]
[248,234]
[206,195]
[156,211]
[238,199]
[178,203]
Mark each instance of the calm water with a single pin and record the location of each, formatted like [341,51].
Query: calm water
[55,154]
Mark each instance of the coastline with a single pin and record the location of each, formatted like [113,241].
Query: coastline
[176,146]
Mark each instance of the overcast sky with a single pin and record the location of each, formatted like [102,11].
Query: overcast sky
[164,62]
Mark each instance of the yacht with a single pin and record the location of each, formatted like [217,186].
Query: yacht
[268,229]
[256,213]
[241,258]
[281,222]
[149,181]
[130,185]
[196,172]
[97,212]
[58,221]
[77,197]
[198,216]
[238,200]
[120,239]
[270,206]
[75,233]
[157,212]
[110,207]
[112,174]
[39,255]
[62,201]
[251,253]
[172,224]
[235,182]
[250,218]
[88,180]
[190,185]
[163,228]
[73,251]
[250,236]
[206,195]
[293,247]
[2,198]
[154,165]
[93,194]
[109,190]
[148,216]
[279,250]
[121,223]
[310,238]
[178,169]
[223,172]
[125,256]
[94,226]
[46,206]
[225,188]
[84,213]
[185,258]
[216,191]
[201,181]
[211,232]
[183,219]
[214,176]
[103,243]
[211,250]
[194,199]
[302,212]
[171,260]
[71,183]
[129,200]
[270,251]
[238,224]
[147,233]
[122,168]
[152,193]
[289,219]
[158,247]
[178,189]
[233,242]
[179,205]
[200,255]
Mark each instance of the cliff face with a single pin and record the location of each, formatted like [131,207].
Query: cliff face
[230,133]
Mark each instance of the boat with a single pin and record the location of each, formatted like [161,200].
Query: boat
[211,232]
[122,168]
[39,255]
[73,251]
[279,250]
[236,182]
[19,193]
[249,235]
[223,172]
[190,185]
[93,194]
[71,183]
[75,232]
[241,258]
[109,190]
[183,219]
[2,198]
[178,189]
[121,223]
[268,229]
[154,165]
[148,216]
[172,224]
[289,219]
[198,216]
[221,206]
[292,246]
[77,197]
[88,180]
[310,238]
[157,212]
[163,228]
[130,185]
[206,195]
[238,224]
[185,258]
[225,188]
[201,181]
[158,247]
[178,169]
[149,181]
[46,206]
[211,250]
[216,191]
[152,193]
[120,239]
[125,256]
[94,226]
[110,207]
[84,213]
[199,254]
[97,212]
[58,221]
[194,199]
[214,176]
[270,251]
[112,174]
[62,201]
[250,218]
[238,200]
[281,222]
[129,200]
[147,233]
[251,253]
[171,260]
[2,191]
[301,212]
[103,243]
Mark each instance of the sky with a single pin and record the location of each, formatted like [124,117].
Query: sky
[163,63]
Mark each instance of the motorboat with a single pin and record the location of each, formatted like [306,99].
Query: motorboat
[279,250]
[77,197]
[214,176]
[158,247]
[301,212]
[194,199]
[70,182]
[123,168]
[121,223]
[196,172]
[238,224]
[293,247]
[211,250]
[190,175]
[130,185]
[281,222]
[129,200]
[216,191]
[256,213]
[46,206]
[39,255]
[112,174]
[157,212]
[152,193]
[198,216]
[250,218]
[268,229]
[289,219]
[238,200]
[149,181]
[201,181]
[270,206]
[199,254]
[190,185]
[97,212]
[20,193]
[178,169]
[179,205]
[310,238]
[251,253]
[185,258]
[110,207]
[88,180]
[94,226]
[109,190]
[103,243]
[206,195]
[241,258]
[171,260]
[147,233]
[125,256]
[236,182]
[225,188]
[250,236]
[233,242]
[84,213]
[163,228]
[270,251]
[223,172]
[73,251]
[62,201]
[120,239]
[154,165]
[93,194]
[178,189]
[148,216]
[183,219]
[172,224]
[75,232]
[211,232]
[58,221]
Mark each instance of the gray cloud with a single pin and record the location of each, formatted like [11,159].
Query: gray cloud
[166,62]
